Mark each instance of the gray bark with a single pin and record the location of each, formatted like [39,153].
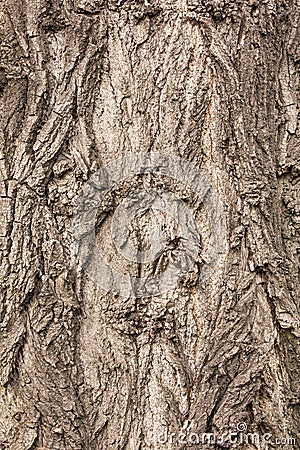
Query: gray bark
[83,83]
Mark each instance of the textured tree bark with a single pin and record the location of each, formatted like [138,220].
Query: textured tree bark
[83,83]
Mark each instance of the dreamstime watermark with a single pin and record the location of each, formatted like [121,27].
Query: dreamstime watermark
[188,247]
[240,436]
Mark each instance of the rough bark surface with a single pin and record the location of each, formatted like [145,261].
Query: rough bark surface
[85,82]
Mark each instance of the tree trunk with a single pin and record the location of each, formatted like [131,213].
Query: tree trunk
[211,83]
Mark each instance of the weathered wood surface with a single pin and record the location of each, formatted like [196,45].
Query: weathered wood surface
[83,83]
